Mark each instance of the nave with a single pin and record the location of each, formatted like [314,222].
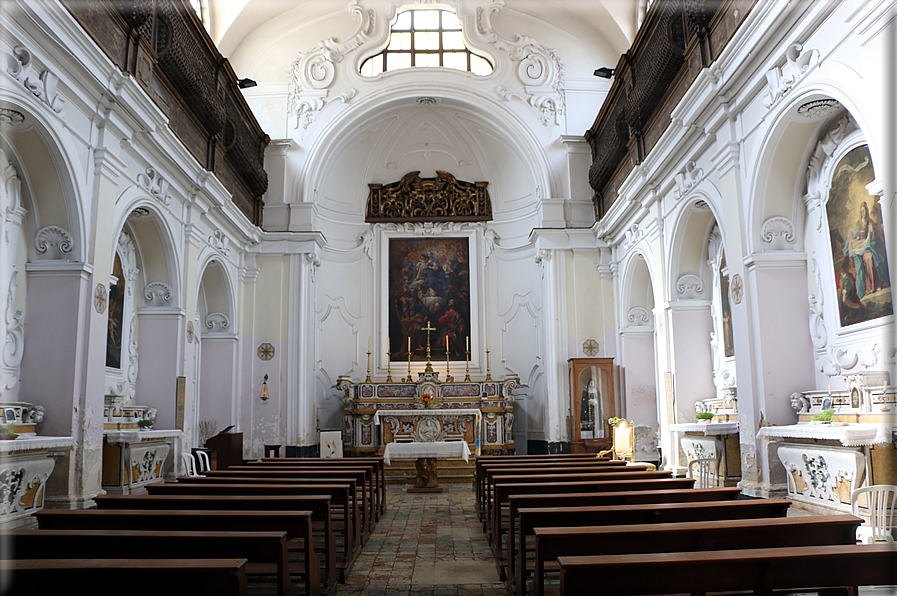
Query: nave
[426,545]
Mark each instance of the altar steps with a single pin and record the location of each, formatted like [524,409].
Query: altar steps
[448,471]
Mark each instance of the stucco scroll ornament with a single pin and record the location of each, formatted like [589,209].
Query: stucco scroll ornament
[217,322]
[638,316]
[218,240]
[539,69]
[155,184]
[312,74]
[14,342]
[314,261]
[690,286]
[782,78]
[54,242]
[367,243]
[688,178]
[157,293]
[818,331]
[542,260]
[777,232]
[42,84]
[132,358]
[490,241]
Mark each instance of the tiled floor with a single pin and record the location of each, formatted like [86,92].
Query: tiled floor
[426,545]
[433,545]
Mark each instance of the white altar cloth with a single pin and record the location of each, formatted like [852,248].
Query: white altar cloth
[708,428]
[435,449]
[850,435]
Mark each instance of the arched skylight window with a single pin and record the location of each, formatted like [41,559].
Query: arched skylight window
[426,38]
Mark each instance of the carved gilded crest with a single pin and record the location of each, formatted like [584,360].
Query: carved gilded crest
[443,198]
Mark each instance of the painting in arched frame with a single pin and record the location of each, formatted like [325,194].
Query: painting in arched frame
[858,241]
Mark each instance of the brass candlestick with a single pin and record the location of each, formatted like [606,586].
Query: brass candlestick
[428,329]
[488,375]
[388,368]
[467,361]
[448,375]
[368,378]
[409,379]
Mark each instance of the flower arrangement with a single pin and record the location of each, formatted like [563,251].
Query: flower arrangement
[704,416]
[613,421]
[8,432]
[427,400]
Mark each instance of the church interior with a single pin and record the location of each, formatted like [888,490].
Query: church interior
[411,247]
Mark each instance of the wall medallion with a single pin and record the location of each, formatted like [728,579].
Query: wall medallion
[266,351]
[190,332]
[590,348]
[737,288]
[100,297]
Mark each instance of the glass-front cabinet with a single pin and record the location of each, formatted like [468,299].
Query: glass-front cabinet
[591,403]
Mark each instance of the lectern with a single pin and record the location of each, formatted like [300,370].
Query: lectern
[227,448]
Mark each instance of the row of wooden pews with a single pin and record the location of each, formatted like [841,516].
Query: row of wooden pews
[574,524]
[285,526]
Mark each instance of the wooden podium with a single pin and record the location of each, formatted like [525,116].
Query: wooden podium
[227,449]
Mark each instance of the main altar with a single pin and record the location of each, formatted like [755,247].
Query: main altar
[429,410]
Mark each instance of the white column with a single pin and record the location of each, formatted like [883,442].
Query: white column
[555,349]
[301,423]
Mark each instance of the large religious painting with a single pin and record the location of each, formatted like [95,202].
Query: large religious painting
[116,317]
[429,286]
[858,241]
[728,336]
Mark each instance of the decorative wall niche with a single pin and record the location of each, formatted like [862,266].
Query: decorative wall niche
[121,338]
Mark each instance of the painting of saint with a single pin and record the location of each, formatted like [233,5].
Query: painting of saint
[429,285]
[116,317]
[858,241]
[728,337]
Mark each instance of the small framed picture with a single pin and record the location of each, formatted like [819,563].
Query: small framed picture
[855,398]
[826,403]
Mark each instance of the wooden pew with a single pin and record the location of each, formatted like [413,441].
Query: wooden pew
[487,470]
[362,478]
[552,543]
[517,549]
[644,513]
[135,577]
[262,550]
[492,474]
[495,508]
[503,493]
[485,461]
[762,570]
[297,525]
[318,505]
[376,461]
[341,499]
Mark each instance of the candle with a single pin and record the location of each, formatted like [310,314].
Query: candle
[409,345]
[369,343]
[829,389]
[467,342]
[487,343]
[446,342]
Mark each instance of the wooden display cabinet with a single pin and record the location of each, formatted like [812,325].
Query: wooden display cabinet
[591,403]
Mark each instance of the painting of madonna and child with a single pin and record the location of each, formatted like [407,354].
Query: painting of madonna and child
[858,241]
[429,283]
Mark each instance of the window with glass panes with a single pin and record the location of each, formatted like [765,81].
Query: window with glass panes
[426,38]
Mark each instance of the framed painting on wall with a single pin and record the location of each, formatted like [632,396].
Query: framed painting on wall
[858,241]
[429,285]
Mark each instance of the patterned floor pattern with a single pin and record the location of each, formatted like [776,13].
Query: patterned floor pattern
[426,545]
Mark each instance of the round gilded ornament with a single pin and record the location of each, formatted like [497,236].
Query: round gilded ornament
[190,332]
[737,288]
[266,351]
[590,347]
[100,298]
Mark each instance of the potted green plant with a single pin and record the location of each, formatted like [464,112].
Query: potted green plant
[145,424]
[704,416]
[7,432]
[823,417]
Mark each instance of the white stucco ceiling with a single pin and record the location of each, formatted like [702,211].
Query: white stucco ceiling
[613,22]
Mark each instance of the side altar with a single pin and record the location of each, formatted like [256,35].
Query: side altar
[478,412]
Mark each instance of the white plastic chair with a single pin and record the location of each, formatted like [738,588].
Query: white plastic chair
[703,470]
[189,464]
[204,464]
[881,499]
